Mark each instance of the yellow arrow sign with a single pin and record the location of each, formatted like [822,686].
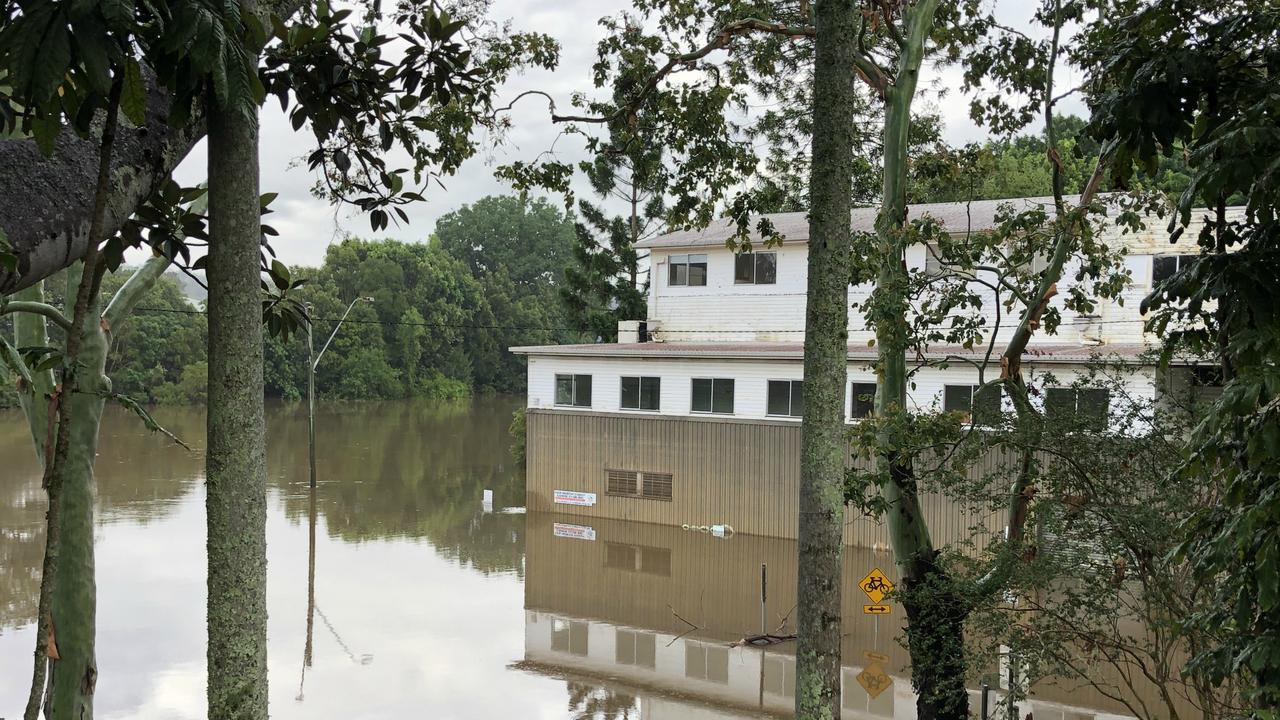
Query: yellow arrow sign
[874,680]
[876,586]
[876,609]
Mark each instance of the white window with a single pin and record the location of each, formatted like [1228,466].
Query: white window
[713,395]
[1164,266]
[982,406]
[755,268]
[687,270]
[1085,405]
[786,398]
[864,399]
[573,390]
[641,393]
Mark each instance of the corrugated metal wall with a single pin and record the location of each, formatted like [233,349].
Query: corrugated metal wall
[739,473]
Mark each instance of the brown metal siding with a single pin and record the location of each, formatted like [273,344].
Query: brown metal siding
[724,471]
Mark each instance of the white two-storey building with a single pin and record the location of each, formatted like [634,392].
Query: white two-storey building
[723,344]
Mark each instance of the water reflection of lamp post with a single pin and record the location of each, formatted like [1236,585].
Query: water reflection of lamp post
[312,361]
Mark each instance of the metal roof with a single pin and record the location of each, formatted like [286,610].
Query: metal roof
[1065,353]
[957,217]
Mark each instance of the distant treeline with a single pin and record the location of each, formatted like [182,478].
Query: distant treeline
[442,314]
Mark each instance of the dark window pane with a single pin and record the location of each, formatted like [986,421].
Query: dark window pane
[697,269]
[986,405]
[701,395]
[766,268]
[744,269]
[564,389]
[650,392]
[957,398]
[864,399]
[630,393]
[722,397]
[779,397]
[1163,266]
[582,390]
[1059,402]
[1091,404]
[797,398]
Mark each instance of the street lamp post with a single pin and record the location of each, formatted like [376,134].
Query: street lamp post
[312,361]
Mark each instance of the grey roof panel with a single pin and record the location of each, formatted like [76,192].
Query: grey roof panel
[957,217]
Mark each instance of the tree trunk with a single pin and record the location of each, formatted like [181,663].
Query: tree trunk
[935,610]
[826,350]
[235,462]
[73,604]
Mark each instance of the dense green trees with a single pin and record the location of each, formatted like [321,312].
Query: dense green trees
[439,326]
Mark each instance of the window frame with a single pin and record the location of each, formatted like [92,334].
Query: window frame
[793,386]
[971,415]
[755,267]
[573,396]
[712,411]
[1076,392]
[686,260]
[1179,261]
[853,398]
[640,394]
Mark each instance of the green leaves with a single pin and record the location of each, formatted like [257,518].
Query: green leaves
[133,95]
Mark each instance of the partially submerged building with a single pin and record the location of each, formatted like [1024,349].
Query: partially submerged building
[692,417]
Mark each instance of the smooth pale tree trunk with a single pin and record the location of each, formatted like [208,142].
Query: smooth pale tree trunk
[235,462]
[935,611]
[68,594]
[822,460]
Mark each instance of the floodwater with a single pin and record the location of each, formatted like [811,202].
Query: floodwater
[426,603]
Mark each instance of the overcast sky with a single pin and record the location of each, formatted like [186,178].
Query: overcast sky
[308,225]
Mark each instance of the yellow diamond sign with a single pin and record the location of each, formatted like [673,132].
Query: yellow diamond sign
[876,586]
[874,680]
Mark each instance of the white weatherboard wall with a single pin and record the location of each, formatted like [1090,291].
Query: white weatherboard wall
[722,310]
[751,379]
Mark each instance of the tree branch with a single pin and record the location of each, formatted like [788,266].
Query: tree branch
[9,355]
[37,308]
[719,42]
[129,294]
[48,201]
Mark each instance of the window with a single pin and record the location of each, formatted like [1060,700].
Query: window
[568,636]
[573,390]
[636,648]
[713,395]
[864,400]
[779,675]
[982,406]
[687,270]
[1088,405]
[755,268]
[706,662]
[786,398]
[638,558]
[640,393]
[1164,266]
[630,483]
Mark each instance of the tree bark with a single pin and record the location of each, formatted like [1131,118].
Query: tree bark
[936,611]
[48,201]
[235,461]
[825,365]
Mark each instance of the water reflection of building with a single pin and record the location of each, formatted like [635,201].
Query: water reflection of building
[651,612]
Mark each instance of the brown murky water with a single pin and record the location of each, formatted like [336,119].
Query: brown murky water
[426,603]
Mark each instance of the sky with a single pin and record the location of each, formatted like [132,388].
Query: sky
[308,225]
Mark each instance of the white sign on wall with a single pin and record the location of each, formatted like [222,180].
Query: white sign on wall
[580,532]
[572,497]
